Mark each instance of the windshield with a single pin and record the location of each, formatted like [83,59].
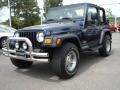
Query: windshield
[75,11]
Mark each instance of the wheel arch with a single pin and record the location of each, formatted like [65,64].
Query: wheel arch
[72,39]
[2,38]
[103,33]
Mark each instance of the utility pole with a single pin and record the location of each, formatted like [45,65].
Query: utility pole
[41,15]
[10,13]
[45,6]
[115,21]
[43,10]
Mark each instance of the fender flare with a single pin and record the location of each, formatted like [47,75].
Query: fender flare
[69,36]
[64,38]
[103,33]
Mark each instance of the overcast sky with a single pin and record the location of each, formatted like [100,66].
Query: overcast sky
[104,3]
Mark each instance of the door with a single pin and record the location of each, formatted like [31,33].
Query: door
[91,33]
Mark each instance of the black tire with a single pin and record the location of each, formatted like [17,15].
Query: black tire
[103,50]
[3,43]
[119,30]
[21,63]
[59,60]
[115,30]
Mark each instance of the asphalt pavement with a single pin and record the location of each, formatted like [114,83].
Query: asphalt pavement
[94,73]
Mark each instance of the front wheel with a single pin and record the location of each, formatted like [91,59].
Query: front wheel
[21,63]
[65,60]
[105,50]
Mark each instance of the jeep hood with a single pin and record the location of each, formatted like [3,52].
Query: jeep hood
[55,27]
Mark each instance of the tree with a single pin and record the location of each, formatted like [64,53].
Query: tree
[16,22]
[25,13]
[2,3]
[110,15]
[28,11]
[52,3]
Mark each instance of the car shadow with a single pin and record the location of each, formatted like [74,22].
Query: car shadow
[44,71]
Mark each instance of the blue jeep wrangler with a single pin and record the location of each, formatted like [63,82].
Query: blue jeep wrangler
[67,31]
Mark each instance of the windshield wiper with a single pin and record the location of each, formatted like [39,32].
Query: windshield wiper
[66,18]
[54,20]
[50,20]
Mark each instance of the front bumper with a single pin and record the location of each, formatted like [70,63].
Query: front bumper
[32,56]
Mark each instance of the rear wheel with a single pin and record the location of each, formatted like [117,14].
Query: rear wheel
[65,60]
[105,50]
[21,63]
[119,30]
[115,30]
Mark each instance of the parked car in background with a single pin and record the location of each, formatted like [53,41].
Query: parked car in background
[4,33]
[119,27]
[113,28]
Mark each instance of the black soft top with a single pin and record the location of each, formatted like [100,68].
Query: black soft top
[87,4]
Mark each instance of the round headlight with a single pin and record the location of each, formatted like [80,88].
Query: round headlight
[16,45]
[40,37]
[16,35]
[24,46]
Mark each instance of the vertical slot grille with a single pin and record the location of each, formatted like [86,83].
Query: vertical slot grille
[31,36]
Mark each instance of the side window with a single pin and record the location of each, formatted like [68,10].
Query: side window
[92,16]
[101,14]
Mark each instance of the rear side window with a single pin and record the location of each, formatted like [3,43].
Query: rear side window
[101,16]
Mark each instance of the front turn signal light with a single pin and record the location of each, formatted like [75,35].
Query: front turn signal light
[47,41]
[58,41]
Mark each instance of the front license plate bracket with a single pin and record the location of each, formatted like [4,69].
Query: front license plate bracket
[21,53]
